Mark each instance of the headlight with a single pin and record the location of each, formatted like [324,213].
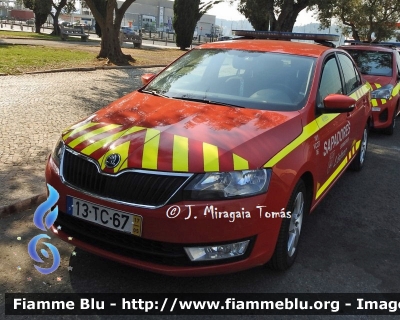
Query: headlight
[58,152]
[224,251]
[221,185]
[382,93]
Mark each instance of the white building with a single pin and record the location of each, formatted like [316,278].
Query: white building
[157,15]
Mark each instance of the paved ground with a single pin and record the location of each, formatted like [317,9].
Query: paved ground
[34,109]
[351,244]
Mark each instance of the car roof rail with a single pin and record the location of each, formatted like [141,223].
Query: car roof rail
[320,38]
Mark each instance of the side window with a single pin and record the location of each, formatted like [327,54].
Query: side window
[330,80]
[398,61]
[352,79]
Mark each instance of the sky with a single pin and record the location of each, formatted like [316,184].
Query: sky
[225,11]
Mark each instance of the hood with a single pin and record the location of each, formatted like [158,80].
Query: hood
[157,133]
[377,81]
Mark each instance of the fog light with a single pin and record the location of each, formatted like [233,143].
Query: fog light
[221,251]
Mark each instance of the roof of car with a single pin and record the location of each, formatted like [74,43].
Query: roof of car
[279,46]
[368,47]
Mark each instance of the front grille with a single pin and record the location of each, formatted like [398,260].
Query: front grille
[129,186]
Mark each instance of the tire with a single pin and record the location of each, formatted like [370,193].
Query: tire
[289,235]
[358,162]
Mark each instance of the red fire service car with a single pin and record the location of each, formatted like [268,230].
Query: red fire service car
[211,166]
[380,66]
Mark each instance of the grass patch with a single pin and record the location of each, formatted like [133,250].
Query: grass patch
[17,59]
[26,34]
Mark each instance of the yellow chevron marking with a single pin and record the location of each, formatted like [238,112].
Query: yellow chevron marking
[133,130]
[396,90]
[210,157]
[338,170]
[309,130]
[377,85]
[100,143]
[150,149]
[78,129]
[374,102]
[180,154]
[239,163]
[331,178]
[360,92]
[101,161]
[90,134]
[122,150]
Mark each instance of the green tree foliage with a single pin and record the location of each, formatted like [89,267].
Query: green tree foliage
[184,21]
[272,15]
[41,9]
[109,17]
[361,18]
[186,15]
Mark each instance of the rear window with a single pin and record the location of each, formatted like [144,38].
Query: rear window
[374,63]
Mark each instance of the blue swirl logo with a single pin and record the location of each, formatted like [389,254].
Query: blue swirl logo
[44,222]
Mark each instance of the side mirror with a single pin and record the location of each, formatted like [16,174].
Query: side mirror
[338,103]
[147,77]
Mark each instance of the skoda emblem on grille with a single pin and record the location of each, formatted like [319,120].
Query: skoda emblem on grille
[113,160]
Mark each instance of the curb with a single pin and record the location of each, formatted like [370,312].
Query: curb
[87,69]
[22,205]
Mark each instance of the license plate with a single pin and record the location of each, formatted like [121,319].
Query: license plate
[104,216]
[376,109]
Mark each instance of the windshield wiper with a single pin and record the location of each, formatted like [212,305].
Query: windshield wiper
[208,101]
[155,93]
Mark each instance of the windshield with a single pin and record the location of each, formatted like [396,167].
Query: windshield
[374,63]
[247,79]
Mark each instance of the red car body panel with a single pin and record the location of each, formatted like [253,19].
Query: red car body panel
[146,130]
[391,106]
[226,128]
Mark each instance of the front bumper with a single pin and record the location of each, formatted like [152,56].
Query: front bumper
[382,112]
[160,248]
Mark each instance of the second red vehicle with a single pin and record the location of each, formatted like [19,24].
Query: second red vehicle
[380,66]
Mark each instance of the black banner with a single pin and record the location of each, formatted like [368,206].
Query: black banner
[202,304]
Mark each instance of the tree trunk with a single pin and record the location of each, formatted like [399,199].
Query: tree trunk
[271,20]
[354,30]
[37,26]
[289,14]
[111,48]
[355,33]
[103,11]
[287,24]
[262,13]
[62,4]
[56,31]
